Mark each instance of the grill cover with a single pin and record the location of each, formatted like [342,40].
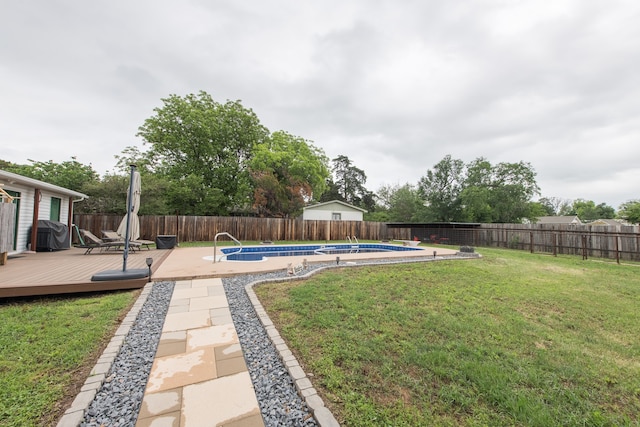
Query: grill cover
[52,236]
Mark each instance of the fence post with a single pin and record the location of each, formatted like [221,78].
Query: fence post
[584,247]
[618,249]
[555,244]
[531,241]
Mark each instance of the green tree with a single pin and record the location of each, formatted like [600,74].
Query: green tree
[288,172]
[349,182]
[476,197]
[441,187]
[144,161]
[480,192]
[203,147]
[587,210]
[107,196]
[332,191]
[630,211]
[555,206]
[69,174]
[402,203]
[513,186]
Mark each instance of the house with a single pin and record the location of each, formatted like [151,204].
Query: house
[609,222]
[559,220]
[334,210]
[35,200]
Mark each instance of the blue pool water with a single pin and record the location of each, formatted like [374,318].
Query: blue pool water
[258,253]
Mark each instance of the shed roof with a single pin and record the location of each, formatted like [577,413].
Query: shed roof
[340,202]
[559,219]
[14,178]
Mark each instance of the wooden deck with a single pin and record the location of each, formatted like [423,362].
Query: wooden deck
[70,271]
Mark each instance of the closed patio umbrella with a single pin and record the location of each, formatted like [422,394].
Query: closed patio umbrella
[134,225]
[130,228]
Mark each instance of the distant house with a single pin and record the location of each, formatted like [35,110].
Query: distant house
[559,220]
[334,210]
[36,200]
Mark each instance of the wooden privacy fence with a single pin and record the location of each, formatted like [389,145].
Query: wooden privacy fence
[204,228]
[620,242]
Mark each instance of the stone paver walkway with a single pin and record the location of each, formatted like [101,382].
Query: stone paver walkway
[199,357]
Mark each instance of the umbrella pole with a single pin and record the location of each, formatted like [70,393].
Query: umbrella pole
[129,207]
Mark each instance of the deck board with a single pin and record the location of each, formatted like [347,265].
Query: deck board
[41,273]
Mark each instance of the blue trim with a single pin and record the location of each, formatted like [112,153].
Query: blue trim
[257,253]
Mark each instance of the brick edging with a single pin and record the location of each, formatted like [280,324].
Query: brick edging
[74,415]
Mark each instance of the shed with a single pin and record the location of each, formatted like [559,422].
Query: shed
[335,210]
[36,200]
[559,220]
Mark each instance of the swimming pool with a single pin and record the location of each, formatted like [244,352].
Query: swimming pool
[263,252]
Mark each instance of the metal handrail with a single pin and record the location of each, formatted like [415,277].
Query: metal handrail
[224,233]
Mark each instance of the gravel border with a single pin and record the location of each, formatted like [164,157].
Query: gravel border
[113,392]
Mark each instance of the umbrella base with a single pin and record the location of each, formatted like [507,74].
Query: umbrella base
[136,273]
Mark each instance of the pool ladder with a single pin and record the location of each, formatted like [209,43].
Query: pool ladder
[354,238]
[215,239]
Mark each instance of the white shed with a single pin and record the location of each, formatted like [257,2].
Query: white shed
[36,200]
[334,210]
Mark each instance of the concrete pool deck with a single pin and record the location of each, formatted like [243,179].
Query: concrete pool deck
[189,263]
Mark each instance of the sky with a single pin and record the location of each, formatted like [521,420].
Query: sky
[393,85]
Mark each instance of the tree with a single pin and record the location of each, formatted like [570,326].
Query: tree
[203,147]
[630,211]
[402,203]
[69,174]
[145,162]
[440,188]
[288,172]
[513,186]
[479,192]
[555,206]
[476,194]
[108,196]
[349,182]
[587,210]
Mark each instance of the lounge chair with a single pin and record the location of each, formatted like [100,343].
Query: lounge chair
[91,242]
[112,236]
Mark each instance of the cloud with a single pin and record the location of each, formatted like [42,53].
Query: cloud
[395,87]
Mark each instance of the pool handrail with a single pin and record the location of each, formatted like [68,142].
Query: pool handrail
[215,239]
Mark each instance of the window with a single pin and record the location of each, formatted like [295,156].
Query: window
[54,214]
[336,216]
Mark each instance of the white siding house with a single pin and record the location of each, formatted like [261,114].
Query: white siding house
[37,200]
[334,210]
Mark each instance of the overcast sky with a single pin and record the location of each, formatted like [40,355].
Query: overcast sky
[393,85]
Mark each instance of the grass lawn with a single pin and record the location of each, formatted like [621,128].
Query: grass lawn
[509,339]
[48,347]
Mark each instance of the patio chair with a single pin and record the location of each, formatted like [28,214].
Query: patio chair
[112,236]
[91,242]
